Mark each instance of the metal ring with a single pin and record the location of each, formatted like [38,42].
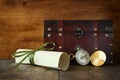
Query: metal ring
[79,32]
[72,56]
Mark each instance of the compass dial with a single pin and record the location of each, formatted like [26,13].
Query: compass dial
[82,57]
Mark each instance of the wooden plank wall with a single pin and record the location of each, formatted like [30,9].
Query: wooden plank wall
[21,21]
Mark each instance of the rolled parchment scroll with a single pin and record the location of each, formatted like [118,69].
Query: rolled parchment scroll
[52,59]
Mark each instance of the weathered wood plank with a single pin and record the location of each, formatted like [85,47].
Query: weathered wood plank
[9,71]
[89,73]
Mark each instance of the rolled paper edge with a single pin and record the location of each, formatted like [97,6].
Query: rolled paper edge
[64,61]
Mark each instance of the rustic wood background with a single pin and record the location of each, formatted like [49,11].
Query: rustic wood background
[22,26]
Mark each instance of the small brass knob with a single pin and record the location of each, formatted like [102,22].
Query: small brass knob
[96,48]
[60,34]
[49,29]
[111,62]
[95,29]
[60,47]
[106,35]
[60,29]
[49,35]
[95,34]
[110,44]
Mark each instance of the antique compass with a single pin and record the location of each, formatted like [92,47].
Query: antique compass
[82,56]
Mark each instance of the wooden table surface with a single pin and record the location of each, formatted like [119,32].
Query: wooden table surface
[8,71]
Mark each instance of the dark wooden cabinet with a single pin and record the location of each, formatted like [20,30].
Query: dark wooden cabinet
[70,35]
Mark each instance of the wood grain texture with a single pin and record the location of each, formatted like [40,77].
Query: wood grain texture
[22,21]
[8,71]
[91,73]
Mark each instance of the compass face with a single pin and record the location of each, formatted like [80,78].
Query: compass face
[98,58]
[82,57]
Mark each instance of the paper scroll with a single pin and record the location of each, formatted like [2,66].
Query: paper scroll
[52,59]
